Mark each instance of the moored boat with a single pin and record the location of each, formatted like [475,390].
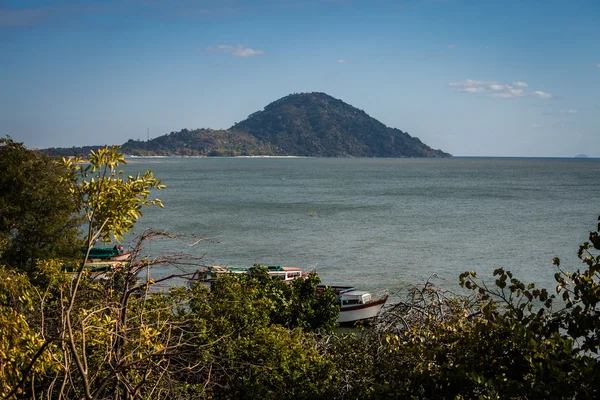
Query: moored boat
[356,305]
[115,253]
[207,274]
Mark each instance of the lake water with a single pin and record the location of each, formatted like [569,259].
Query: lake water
[379,223]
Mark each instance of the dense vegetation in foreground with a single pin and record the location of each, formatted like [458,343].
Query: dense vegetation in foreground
[250,336]
[305,124]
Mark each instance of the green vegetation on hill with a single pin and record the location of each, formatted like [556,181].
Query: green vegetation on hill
[199,142]
[305,124]
[318,125]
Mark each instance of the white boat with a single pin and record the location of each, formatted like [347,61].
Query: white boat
[357,305]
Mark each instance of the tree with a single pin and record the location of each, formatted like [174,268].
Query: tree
[73,316]
[581,292]
[111,206]
[110,202]
[38,215]
[23,351]
[258,339]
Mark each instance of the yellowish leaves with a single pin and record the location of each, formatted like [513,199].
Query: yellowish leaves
[18,341]
[111,203]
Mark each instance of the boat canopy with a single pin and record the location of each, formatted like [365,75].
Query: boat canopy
[355,297]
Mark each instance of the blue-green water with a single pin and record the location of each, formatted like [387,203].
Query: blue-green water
[377,223]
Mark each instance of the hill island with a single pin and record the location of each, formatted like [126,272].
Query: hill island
[303,124]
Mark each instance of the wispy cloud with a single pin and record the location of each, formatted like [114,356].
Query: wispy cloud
[495,89]
[342,61]
[598,65]
[542,95]
[451,46]
[238,50]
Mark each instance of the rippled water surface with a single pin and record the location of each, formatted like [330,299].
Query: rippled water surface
[377,223]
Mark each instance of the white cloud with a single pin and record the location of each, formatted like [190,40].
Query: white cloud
[598,65]
[572,111]
[239,50]
[342,61]
[468,83]
[541,95]
[496,89]
[451,46]
[508,93]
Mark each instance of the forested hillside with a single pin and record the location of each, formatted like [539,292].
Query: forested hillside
[305,124]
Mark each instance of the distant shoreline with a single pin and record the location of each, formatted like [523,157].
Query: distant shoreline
[175,156]
[406,158]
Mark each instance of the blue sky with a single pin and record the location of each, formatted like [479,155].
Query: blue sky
[472,77]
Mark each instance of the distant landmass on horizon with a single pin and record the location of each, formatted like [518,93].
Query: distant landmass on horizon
[303,124]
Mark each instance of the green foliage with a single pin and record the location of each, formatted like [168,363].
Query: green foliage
[38,215]
[252,355]
[307,310]
[111,203]
[434,346]
[262,300]
[581,292]
[20,342]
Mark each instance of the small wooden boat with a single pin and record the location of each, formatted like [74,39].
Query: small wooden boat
[356,305]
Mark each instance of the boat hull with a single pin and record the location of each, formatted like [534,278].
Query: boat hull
[99,254]
[95,268]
